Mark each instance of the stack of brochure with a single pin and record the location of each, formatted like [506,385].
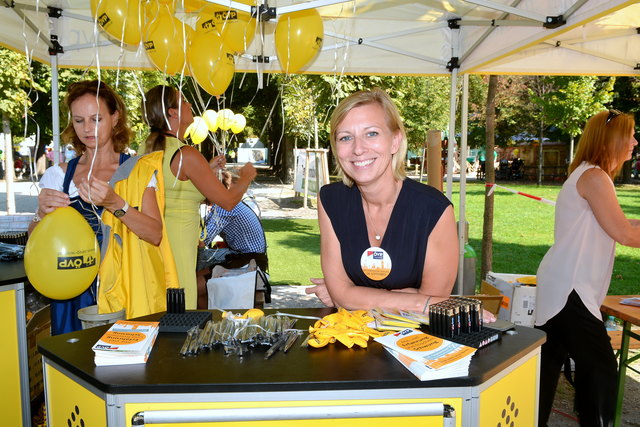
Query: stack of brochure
[126,342]
[426,356]
[396,320]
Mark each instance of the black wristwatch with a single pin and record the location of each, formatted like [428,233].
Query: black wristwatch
[119,213]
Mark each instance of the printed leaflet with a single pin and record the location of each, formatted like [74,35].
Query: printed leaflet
[426,356]
[126,342]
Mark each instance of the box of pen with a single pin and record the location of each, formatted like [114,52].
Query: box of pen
[459,319]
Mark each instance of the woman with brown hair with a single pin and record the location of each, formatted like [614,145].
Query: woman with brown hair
[574,275]
[99,132]
[188,180]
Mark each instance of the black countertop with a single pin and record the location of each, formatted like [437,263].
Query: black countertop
[333,367]
[12,272]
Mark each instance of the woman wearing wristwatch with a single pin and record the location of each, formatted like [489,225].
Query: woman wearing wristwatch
[99,132]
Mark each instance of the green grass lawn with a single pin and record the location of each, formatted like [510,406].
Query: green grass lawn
[522,233]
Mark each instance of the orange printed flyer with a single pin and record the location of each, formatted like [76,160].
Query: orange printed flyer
[127,336]
[426,353]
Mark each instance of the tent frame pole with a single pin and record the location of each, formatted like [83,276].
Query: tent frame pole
[462,220]
[55,109]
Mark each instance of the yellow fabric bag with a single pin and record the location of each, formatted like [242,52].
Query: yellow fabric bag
[135,274]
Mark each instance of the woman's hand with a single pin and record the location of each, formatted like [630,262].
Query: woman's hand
[49,200]
[247,172]
[99,193]
[487,317]
[320,290]
[217,163]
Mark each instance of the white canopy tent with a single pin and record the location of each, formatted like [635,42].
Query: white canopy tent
[401,37]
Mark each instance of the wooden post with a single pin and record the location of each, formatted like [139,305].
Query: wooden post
[434,159]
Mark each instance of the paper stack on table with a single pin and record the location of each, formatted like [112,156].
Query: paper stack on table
[126,342]
[631,301]
[387,320]
[426,356]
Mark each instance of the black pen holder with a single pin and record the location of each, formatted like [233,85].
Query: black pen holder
[175,300]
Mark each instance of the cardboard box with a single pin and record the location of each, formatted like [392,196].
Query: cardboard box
[38,327]
[519,299]
[490,302]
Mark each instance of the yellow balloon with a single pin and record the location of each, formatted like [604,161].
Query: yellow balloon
[62,256]
[237,29]
[193,5]
[165,42]
[119,18]
[207,21]
[211,118]
[199,130]
[225,119]
[210,63]
[298,38]
[154,7]
[239,122]
[188,130]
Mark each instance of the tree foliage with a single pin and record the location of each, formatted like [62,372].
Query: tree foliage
[291,105]
[571,100]
[16,86]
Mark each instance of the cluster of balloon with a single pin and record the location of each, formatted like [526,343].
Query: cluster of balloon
[211,121]
[208,51]
[298,38]
[62,256]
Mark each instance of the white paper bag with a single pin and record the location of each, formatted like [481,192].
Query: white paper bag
[236,288]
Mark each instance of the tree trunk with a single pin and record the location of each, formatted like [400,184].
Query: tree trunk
[8,164]
[315,131]
[289,161]
[625,173]
[571,147]
[540,153]
[490,177]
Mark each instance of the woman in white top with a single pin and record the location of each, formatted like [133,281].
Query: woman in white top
[574,275]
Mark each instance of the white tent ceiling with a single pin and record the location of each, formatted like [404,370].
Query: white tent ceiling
[381,37]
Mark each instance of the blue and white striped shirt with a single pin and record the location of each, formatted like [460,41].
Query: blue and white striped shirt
[240,228]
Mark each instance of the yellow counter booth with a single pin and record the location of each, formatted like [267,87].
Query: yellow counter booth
[305,386]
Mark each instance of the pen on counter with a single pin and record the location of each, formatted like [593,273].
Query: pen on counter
[276,346]
[291,339]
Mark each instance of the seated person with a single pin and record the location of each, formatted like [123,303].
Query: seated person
[243,235]
[385,241]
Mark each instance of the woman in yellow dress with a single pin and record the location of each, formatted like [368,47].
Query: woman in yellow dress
[188,180]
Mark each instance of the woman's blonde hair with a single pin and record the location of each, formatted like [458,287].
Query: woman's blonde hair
[393,119]
[155,110]
[121,132]
[605,141]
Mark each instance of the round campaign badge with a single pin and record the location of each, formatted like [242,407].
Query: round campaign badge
[375,263]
